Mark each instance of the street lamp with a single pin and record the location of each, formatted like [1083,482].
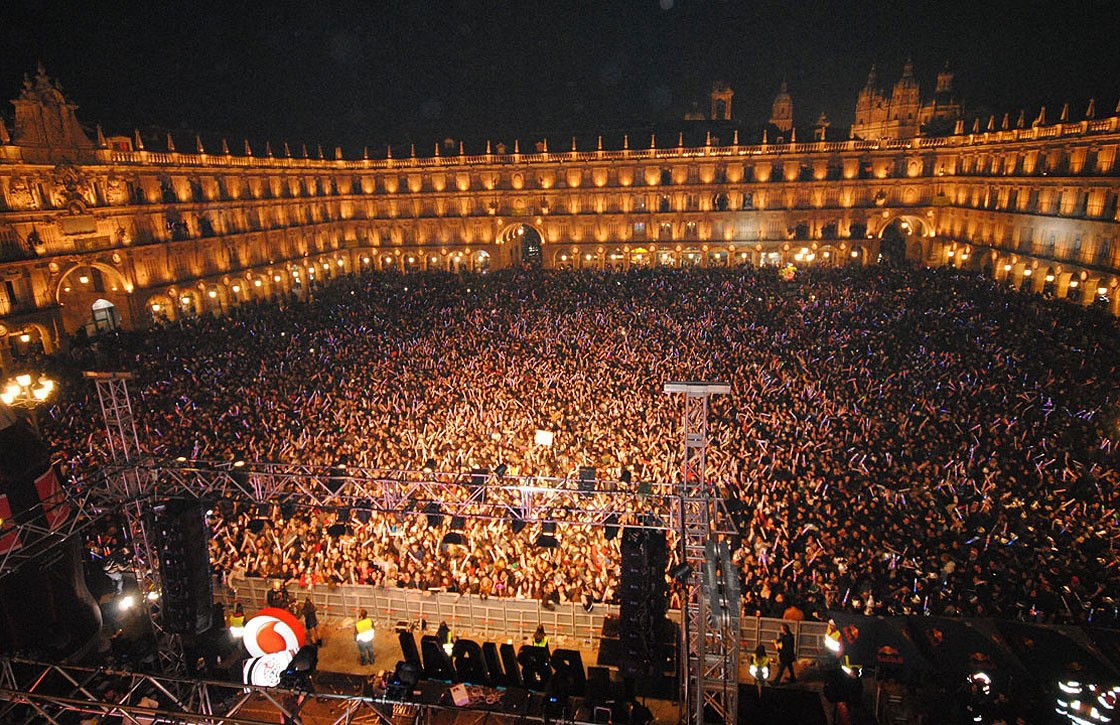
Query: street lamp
[19,391]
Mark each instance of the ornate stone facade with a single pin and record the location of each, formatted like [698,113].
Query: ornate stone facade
[94,234]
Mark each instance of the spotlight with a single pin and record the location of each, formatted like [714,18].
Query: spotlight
[153,596]
[126,602]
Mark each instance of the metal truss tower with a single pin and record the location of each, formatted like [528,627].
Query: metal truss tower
[709,652]
[131,484]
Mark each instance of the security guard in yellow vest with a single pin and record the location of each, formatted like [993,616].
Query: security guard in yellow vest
[760,666]
[363,634]
[237,621]
[540,639]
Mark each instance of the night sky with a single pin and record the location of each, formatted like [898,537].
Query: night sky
[362,73]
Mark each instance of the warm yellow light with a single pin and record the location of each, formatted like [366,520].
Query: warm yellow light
[83,279]
[23,380]
[1102,290]
[341,262]
[1073,283]
[156,307]
[185,300]
[25,337]
[1049,278]
[7,397]
[275,278]
[411,260]
[365,259]
[256,283]
[326,266]
[41,392]
[237,288]
[212,294]
[950,252]
[1007,268]
[855,253]
[1028,272]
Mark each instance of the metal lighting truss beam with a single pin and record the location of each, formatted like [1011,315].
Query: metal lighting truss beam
[86,511]
[531,499]
[53,693]
[709,646]
[127,487]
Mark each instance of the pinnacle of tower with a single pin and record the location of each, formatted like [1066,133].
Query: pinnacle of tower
[139,141]
[517,146]
[764,141]
[1041,120]
[437,148]
[389,150]
[101,142]
[225,147]
[365,153]
[976,125]
[958,127]
[287,151]
[735,137]
[600,143]
[303,150]
[1006,122]
[5,139]
[573,144]
[680,139]
[1022,119]
[198,144]
[248,151]
[412,150]
[268,149]
[319,148]
[461,146]
[1091,111]
[784,89]
[908,69]
[1065,112]
[793,135]
[170,143]
[991,123]
[872,77]
[338,153]
[708,139]
[653,140]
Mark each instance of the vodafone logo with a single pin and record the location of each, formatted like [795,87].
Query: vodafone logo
[273,630]
[272,639]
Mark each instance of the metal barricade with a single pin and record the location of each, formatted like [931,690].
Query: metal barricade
[491,617]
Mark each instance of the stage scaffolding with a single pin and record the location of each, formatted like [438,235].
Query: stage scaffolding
[689,510]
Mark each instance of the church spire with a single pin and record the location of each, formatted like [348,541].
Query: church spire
[198,145]
[170,143]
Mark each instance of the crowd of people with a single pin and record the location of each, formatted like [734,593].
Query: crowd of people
[895,441]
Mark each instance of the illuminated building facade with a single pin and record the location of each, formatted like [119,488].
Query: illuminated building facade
[100,232]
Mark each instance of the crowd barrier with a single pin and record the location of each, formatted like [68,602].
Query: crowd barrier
[494,618]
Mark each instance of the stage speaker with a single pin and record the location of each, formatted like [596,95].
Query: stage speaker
[535,668]
[509,661]
[437,665]
[567,672]
[408,648]
[498,676]
[186,599]
[470,665]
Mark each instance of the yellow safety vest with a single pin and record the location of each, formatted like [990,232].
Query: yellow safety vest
[237,620]
[542,643]
[364,625]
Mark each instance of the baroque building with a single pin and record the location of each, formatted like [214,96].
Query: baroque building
[101,232]
[902,114]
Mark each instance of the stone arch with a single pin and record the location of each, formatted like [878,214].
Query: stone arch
[915,224]
[125,287]
[526,242]
[161,307]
